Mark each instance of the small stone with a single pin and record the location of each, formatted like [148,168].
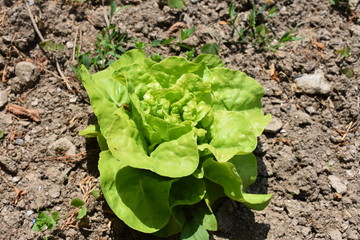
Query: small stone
[306,231]
[69,44]
[19,141]
[15,84]
[35,102]
[311,110]
[27,138]
[314,83]
[97,18]
[24,123]
[8,165]
[27,73]
[62,146]
[16,179]
[54,192]
[3,98]
[302,118]
[336,183]
[274,125]
[335,234]
[29,212]
[73,99]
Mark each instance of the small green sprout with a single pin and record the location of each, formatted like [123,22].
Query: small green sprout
[45,221]
[348,72]
[255,31]
[211,48]
[176,3]
[109,44]
[344,52]
[51,46]
[80,204]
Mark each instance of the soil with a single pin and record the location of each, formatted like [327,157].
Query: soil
[308,157]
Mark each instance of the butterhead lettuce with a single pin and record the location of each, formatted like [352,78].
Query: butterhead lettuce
[174,135]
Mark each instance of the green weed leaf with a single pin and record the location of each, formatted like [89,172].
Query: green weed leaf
[77,202]
[176,3]
[345,52]
[348,72]
[45,221]
[210,48]
[50,45]
[82,212]
[184,34]
[96,193]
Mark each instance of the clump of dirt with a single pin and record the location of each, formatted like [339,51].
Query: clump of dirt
[308,157]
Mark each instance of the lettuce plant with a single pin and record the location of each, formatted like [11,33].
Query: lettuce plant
[175,136]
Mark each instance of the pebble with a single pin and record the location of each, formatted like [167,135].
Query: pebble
[335,234]
[29,212]
[274,126]
[62,146]
[27,73]
[314,83]
[97,18]
[35,102]
[336,183]
[16,179]
[27,138]
[3,98]
[19,141]
[9,164]
[69,44]
[302,118]
[311,110]
[54,192]
[24,123]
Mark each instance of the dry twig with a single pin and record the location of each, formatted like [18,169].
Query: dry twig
[33,21]
[43,39]
[175,27]
[19,194]
[27,112]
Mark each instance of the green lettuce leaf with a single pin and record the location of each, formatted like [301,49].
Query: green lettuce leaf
[235,133]
[226,175]
[176,158]
[234,90]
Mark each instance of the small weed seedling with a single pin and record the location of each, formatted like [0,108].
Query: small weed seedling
[80,204]
[176,3]
[209,48]
[109,44]
[344,53]
[256,31]
[45,221]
